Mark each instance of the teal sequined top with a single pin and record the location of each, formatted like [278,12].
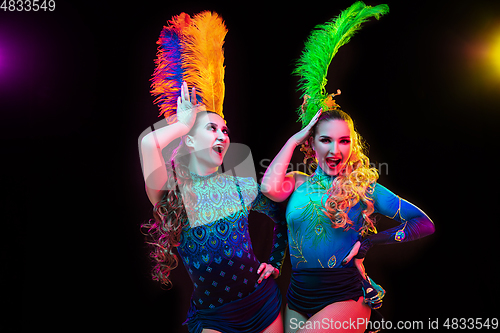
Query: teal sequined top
[215,246]
[314,243]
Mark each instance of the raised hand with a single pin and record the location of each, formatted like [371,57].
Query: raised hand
[301,136]
[186,107]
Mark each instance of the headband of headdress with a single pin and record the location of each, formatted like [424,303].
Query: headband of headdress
[319,50]
[191,50]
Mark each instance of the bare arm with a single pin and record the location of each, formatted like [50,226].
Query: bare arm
[154,169]
[276,184]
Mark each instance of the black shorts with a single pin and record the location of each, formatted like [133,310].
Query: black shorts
[312,289]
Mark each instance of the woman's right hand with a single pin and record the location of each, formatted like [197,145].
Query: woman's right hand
[154,169]
[301,136]
[186,109]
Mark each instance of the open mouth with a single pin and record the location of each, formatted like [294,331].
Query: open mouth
[333,162]
[218,149]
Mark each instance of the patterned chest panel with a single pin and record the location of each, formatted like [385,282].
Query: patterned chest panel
[220,197]
[313,242]
[215,247]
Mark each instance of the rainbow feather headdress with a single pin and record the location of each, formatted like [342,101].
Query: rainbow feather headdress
[319,50]
[191,50]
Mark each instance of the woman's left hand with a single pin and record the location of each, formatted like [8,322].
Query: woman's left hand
[351,254]
[266,270]
[301,136]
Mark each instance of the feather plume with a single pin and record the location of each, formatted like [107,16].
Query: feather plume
[203,59]
[319,50]
[168,75]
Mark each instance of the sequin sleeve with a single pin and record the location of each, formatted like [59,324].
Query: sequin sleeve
[414,223]
[264,205]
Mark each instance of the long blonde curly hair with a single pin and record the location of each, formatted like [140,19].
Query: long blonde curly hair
[353,184]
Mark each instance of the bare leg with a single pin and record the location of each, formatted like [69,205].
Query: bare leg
[348,316]
[293,320]
[276,326]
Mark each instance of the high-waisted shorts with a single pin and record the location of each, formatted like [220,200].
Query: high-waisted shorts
[312,289]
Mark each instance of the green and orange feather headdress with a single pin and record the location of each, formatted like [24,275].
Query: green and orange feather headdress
[319,50]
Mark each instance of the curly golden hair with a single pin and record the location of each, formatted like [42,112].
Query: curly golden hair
[353,184]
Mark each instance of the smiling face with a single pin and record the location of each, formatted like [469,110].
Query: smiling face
[332,144]
[207,142]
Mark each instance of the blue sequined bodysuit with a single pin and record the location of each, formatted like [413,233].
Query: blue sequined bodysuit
[216,248]
[314,243]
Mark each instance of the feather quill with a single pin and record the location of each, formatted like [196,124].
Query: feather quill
[319,50]
[168,75]
[203,59]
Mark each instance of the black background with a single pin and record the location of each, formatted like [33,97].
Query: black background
[74,98]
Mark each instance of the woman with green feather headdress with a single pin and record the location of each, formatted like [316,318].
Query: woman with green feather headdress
[329,213]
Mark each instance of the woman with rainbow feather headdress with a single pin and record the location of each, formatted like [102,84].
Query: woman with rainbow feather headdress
[198,210]
[329,213]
